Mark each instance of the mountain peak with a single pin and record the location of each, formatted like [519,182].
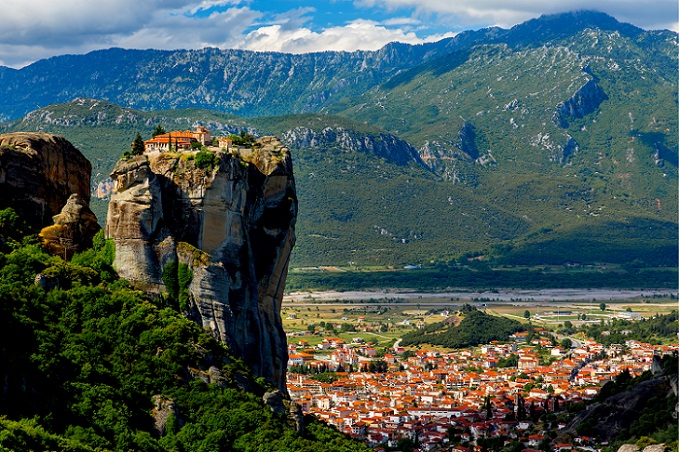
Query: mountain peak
[555,26]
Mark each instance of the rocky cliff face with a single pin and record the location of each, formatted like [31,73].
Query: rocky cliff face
[218,234]
[38,173]
[382,145]
[620,412]
[583,102]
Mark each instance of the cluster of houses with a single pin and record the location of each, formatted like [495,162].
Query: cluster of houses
[182,140]
[429,397]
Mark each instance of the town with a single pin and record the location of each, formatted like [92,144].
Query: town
[519,392]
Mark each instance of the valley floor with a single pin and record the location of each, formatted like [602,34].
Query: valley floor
[545,295]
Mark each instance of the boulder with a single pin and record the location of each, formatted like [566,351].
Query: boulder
[274,400]
[629,448]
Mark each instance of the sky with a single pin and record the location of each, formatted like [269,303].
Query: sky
[37,29]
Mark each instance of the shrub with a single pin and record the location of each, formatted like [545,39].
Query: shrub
[206,160]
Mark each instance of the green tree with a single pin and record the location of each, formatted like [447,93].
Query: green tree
[159,131]
[170,278]
[88,359]
[11,225]
[602,306]
[138,145]
[526,314]
[206,160]
[405,445]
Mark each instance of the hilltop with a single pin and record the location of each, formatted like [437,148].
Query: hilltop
[188,351]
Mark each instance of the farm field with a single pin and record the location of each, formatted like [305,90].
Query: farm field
[383,317]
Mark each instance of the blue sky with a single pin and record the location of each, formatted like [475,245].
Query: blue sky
[36,29]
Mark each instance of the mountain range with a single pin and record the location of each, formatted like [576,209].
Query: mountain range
[548,143]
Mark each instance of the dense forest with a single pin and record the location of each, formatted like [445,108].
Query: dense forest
[475,328]
[88,363]
[481,275]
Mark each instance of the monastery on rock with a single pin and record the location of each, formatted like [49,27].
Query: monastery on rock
[181,140]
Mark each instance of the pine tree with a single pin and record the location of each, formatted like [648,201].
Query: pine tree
[159,131]
[138,145]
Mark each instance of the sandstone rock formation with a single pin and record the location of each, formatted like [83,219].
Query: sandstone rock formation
[73,229]
[651,448]
[38,173]
[228,226]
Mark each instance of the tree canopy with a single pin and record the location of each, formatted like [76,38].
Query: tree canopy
[85,357]
[138,145]
[475,328]
[159,131]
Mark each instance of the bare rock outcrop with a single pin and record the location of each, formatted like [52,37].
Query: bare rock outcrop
[38,173]
[228,225]
[583,102]
[629,448]
[607,418]
[73,228]
[651,448]
[163,410]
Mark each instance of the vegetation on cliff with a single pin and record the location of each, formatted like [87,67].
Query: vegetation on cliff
[639,410]
[89,363]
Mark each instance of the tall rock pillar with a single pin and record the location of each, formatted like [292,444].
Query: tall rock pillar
[229,225]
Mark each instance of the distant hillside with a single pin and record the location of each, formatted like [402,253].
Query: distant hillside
[251,83]
[237,81]
[551,142]
[366,197]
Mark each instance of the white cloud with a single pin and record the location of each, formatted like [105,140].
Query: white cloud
[207,5]
[398,21]
[294,18]
[50,23]
[658,14]
[358,35]
[219,29]
[37,29]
